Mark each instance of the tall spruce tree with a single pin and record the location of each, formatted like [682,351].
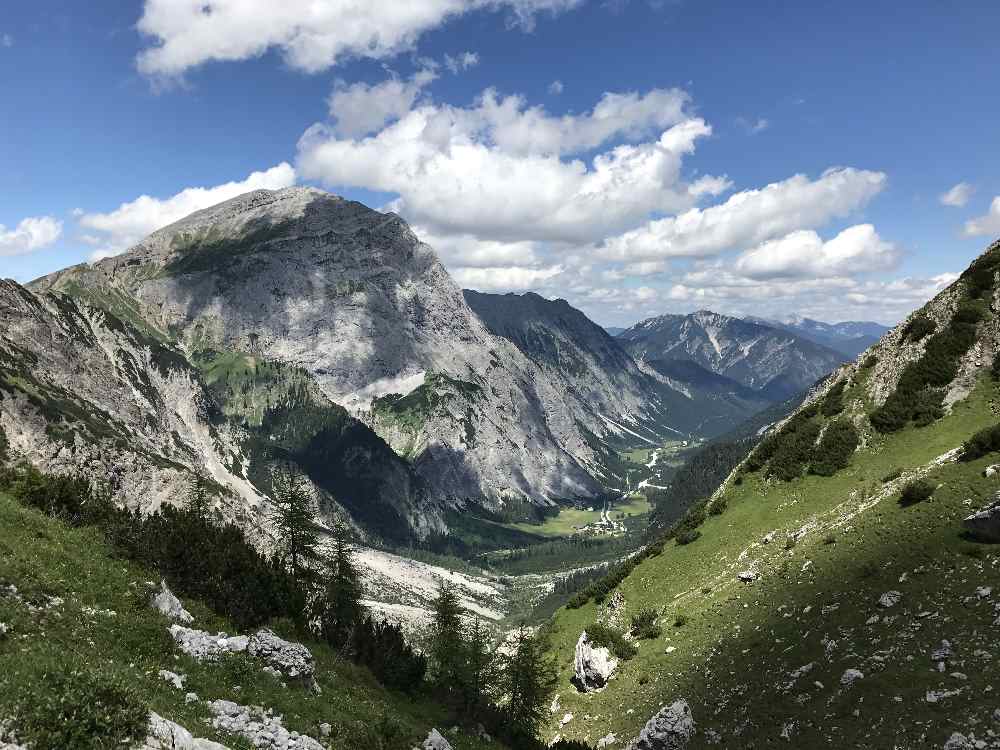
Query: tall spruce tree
[293,522]
[342,608]
[447,648]
[526,680]
[480,668]
[198,497]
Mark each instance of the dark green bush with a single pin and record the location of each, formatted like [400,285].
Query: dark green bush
[985,441]
[839,441]
[794,451]
[916,492]
[833,402]
[688,536]
[81,710]
[644,625]
[680,620]
[869,362]
[919,327]
[995,370]
[718,506]
[614,640]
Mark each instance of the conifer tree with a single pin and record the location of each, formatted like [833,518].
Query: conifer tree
[447,648]
[293,522]
[480,668]
[526,681]
[198,498]
[342,600]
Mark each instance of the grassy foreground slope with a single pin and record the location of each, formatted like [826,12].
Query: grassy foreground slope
[762,663]
[87,614]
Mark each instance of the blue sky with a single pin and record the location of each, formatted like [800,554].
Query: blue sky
[568,188]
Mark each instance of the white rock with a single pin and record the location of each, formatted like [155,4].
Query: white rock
[202,645]
[435,741]
[170,606]
[983,592]
[566,719]
[607,740]
[174,679]
[942,652]
[263,729]
[592,666]
[850,676]
[292,660]
[769,537]
[166,735]
[670,729]
[889,599]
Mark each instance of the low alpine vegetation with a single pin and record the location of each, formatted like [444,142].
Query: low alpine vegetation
[915,492]
[983,442]
[612,639]
[644,625]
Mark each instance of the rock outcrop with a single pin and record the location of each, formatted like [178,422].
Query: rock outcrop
[170,606]
[205,646]
[262,728]
[166,735]
[291,660]
[435,741]
[592,665]
[670,729]
[985,524]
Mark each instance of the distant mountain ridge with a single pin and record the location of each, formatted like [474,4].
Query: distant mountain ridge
[850,338]
[774,363]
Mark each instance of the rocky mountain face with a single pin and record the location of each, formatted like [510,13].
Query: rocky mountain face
[676,399]
[775,364]
[293,302]
[82,390]
[850,338]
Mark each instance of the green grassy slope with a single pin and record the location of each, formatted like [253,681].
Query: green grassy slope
[44,558]
[816,602]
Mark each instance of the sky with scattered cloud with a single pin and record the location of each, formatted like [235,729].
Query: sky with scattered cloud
[635,158]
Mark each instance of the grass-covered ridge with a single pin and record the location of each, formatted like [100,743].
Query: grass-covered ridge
[89,633]
[748,656]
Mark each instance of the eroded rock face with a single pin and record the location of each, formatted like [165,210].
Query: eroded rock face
[670,729]
[170,606]
[202,645]
[263,729]
[985,524]
[291,660]
[592,665]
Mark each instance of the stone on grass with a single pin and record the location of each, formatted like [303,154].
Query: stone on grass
[262,728]
[670,729]
[173,678]
[592,665]
[205,646]
[166,735]
[291,660]
[889,599]
[850,676]
[985,524]
[170,606]
[436,741]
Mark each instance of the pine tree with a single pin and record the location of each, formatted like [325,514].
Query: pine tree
[342,600]
[198,498]
[480,668]
[447,648]
[293,522]
[526,681]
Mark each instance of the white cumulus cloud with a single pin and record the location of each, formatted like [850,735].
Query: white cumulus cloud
[312,36]
[30,234]
[985,225]
[502,170]
[855,250]
[957,196]
[749,217]
[504,278]
[118,230]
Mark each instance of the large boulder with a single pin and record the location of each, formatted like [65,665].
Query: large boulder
[985,524]
[291,660]
[205,646]
[170,606]
[670,729]
[592,665]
